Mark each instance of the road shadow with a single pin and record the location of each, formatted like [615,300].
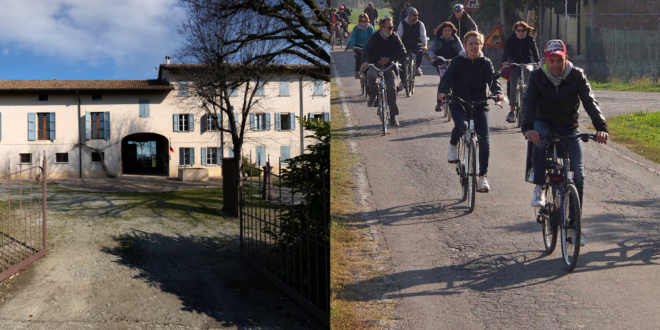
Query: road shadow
[208,277]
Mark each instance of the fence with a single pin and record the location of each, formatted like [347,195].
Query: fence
[284,233]
[23,222]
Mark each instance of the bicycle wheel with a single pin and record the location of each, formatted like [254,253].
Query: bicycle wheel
[333,40]
[519,106]
[472,175]
[569,217]
[461,169]
[549,222]
[411,77]
[384,114]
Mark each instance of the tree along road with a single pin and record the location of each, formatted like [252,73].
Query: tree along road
[488,269]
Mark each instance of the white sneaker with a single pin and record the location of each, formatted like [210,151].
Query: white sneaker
[482,184]
[538,198]
[418,71]
[452,153]
[583,239]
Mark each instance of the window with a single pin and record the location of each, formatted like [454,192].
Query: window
[96,98]
[44,126]
[43,97]
[26,158]
[321,116]
[318,87]
[211,155]
[62,158]
[285,121]
[186,156]
[183,123]
[144,108]
[260,124]
[259,85]
[98,131]
[284,87]
[96,157]
[261,155]
[210,122]
[183,88]
[285,153]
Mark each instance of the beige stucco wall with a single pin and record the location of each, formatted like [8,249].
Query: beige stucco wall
[125,120]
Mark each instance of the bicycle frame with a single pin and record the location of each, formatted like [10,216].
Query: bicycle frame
[382,93]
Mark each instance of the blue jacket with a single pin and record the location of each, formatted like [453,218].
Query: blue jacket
[359,37]
[446,48]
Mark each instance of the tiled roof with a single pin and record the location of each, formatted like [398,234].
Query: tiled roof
[72,85]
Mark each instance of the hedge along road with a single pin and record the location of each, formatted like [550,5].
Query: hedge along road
[487,270]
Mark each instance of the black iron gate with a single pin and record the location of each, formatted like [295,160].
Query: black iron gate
[284,235]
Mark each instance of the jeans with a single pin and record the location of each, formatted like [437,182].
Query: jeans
[575,155]
[482,128]
[419,55]
[389,85]
[513,82]
[358,60]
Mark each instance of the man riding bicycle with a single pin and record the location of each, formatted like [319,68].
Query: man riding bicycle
[462,21]
[343,17]
[550,105]
[382,48]
[413,35]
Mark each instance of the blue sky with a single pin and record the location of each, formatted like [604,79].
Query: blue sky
[86,39]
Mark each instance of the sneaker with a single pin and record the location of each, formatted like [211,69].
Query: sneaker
[370,103]
[418,72]
[511,117]
[538,198]
[452,153]
[394,122]
[482,184]
[438,107]
[583,239]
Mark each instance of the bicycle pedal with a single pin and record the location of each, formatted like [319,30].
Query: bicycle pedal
[483,191]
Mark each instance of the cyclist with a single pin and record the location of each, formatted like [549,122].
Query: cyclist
[335,21]
[404,12]
[550,105]
[462,21]
[413,35]
[344,20]
[359,37]
[446,44]
[347,10]
[381,49]
[520,48]
[469,75]
[371,12]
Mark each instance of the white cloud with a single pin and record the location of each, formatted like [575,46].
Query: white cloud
[133,35]
[5,51]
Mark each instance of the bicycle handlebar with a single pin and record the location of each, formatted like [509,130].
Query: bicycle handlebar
[440,58]
[455,99]
[584,137]
[522,65]
[383,70]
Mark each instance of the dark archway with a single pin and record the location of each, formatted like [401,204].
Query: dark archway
[145,153]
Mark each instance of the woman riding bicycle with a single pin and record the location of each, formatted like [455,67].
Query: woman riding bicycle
[447,45]
[520,48]
[469,76]
[359,37]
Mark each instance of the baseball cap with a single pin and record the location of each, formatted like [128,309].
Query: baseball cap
[555,47]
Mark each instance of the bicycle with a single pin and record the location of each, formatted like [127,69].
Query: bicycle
[521,91]
[442,64]
[364,88]
[467,167]
[383,108]
[562,210]
[336,35]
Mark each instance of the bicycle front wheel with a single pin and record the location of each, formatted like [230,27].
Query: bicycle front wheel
[462,156]
[383,111]
[569,217]
[549,219]
[411,77]
[472,174]
[520,93]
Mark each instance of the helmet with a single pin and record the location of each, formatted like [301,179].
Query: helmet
[458,7]
[341,7]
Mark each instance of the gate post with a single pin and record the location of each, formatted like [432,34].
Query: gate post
[44,202]
[267,189]
[230,186]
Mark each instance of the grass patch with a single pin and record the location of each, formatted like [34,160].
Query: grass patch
[351,259]
[634,85]
[640,132]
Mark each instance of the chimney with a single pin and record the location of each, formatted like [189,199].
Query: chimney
[167,59]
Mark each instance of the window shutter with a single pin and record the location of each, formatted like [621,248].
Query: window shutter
[52,126]
[106,124]
[267,122]
[221,115]
[32,126]
[181,156]
[219,156]
[191,122]
[144,108]
[230,152]
[292,118]
[233,91]
[261,90]
[183,88]
[175,120]
[318,87]
[192,156]
[0,125]
[258,160]
[141,107]
[88,125]
[252,122]
[236,121]
[326,116]
[277,121]
[285,153]
[204,123]
[284,86]
[203,156]
[311,115]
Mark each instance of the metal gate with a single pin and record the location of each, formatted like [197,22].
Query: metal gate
[23,222]
[284,235]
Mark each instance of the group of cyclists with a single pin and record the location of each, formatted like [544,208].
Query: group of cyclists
[554,88]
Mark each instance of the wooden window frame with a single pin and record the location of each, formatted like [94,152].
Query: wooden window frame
[100,133]
[46,126]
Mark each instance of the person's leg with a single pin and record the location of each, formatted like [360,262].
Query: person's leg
[404,71]
[460,123]
[539,163]
[482,127]
[576,157]
[372,74]
[390,84]
[419,56]
[358,61]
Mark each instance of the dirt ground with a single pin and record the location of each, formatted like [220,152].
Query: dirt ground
[143,261]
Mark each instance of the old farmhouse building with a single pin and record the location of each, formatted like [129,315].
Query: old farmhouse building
[137,123]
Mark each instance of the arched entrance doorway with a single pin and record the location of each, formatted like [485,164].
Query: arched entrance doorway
[145,153]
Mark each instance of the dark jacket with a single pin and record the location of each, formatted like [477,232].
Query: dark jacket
[469,79]
[465,25]
[342,15]
[520,51]
[403,15]
[372,13]
[446,48]
[558,106]
[411,35]
[378,47]
[347,11]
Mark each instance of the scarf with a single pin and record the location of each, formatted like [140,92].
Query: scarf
[554,79]
[359,26]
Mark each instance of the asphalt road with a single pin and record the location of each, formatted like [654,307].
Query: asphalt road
[487,270]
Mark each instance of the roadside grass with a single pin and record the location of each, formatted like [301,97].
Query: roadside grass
[351,260]
[634,85]
[355,14]
[640,132]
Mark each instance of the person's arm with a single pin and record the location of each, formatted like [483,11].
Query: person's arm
[535,51]
[375,13]
[400,53]
[495,86]
[530,102]
[473,25]
[352,40]
[589,102]
[434,46]
[459,43]
[422,34]
[399,29]
[448,78]
[367,49]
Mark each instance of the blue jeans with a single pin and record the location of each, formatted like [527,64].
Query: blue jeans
[482,128]
[419,55]
[575,155]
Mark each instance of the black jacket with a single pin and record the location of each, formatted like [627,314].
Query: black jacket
[558,106]
[342,15]
[372,13]
[377,47]
[469,79]
[520,51]
[465,25]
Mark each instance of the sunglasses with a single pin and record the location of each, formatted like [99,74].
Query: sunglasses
[363,21]
[521,30]
[389,28]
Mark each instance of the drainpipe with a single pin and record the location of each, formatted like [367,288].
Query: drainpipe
[79,138]
[302,146]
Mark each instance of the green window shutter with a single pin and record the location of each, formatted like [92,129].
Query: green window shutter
[88,125]
[252,122]
[277,121]
[285,153]
[191,122]
[52,127]
[318,87]
[106,125]
[268,121]
[181,156]
[292,118]
[219,156]
[284,86]
[32,126]
[175,120]
[192,156]
[326,116]
[203,156]
[183,88]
